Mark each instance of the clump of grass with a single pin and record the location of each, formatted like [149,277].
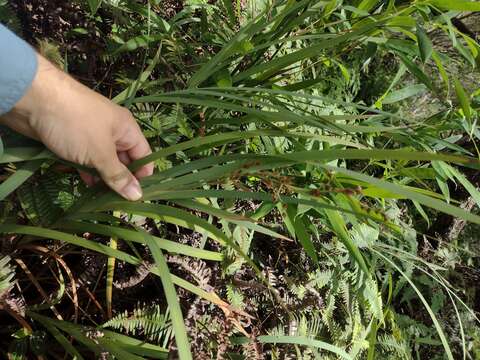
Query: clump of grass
[300,191]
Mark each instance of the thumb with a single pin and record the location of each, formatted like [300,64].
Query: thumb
[117,176]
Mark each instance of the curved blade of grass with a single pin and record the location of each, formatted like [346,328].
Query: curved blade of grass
[158,211]
[255,94]
[72,329]
[230,217]
[434,268]
[262,196]
[261,115]
[169,214]
[269,162]
[413,195]
[103,249]
[131,235]
[68,238]
[97,345]
[197,179]
[440,280]
[273,66]
[460,5]
[217,174]
[16,154]
[256,91]
[200,172]
[460,322]
[211,139]
[439,329]
[176,316]
[301,157]
[249,159]
[195,165]
[338,225]
[305,341]
[119,352]
[62,340]
[304,238]
[135,346]
[227,51]
[378,154]
[19,177]
[268,117]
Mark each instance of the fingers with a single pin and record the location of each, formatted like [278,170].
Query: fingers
[144,171]
[140,150]
[124,158]
[91,180]
[128,144]
[136,146]
[117,176]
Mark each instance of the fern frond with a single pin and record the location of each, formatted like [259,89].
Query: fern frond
[44,198]
[147,321]
[7,300]
[398,349]
[6,276]
[235,297]
[321,278]
[327,316]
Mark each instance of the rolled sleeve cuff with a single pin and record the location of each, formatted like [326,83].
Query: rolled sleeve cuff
[18,66]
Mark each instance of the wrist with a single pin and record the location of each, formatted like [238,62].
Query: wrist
[42,93]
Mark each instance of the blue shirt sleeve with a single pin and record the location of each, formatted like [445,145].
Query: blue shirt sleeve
[18,66]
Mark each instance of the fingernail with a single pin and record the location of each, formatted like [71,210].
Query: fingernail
[132,191]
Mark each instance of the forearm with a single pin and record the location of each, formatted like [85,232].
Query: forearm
[24,112]
[18,66]
[76,123]
[30,86]
[50,90]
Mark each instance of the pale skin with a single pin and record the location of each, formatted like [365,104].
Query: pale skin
[82,126]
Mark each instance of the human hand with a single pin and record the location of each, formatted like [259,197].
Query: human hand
[82,126]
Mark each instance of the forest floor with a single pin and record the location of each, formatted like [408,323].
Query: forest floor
[55,21]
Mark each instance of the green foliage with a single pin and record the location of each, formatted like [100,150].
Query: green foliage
[9,18]
[147,321]
[44,199]
[293,178]
[51,51]
[6,276]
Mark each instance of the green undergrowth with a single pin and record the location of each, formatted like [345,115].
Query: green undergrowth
[290,215]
